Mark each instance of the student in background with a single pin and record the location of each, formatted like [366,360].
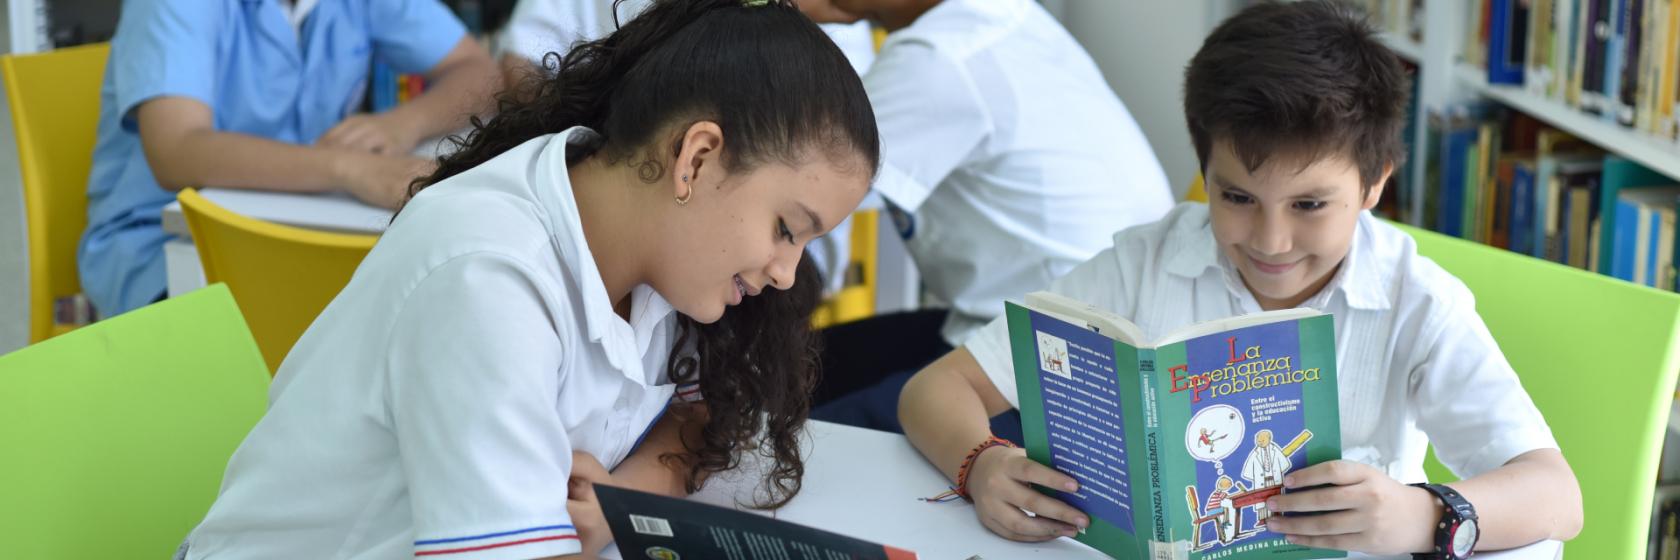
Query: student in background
[1008,161]
[540,27]
[259,95]
[1296,111]
[627,235]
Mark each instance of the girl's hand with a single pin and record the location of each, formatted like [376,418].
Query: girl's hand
[587,467]
[374,134]
[1365,510]
[999,482]
[587,518]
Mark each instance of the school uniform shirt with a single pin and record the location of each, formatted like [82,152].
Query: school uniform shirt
[260,76]
[539,27]
[1007,157]
[433,407]
[1415,365]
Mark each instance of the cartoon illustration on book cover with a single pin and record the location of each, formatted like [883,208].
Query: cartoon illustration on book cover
[1053,355]
[1241,401]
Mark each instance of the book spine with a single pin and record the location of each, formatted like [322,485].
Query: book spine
[1633,44]
[1651,257]
[1154,446]
[1500,40]
[1623,239]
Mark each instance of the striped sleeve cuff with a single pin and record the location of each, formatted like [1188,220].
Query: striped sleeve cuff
[688,392]
[532,542]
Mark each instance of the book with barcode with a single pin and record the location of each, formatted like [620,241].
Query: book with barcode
[653,526]
[1176,439]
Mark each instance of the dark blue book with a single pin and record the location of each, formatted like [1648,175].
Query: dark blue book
[1507,42]
[1522,209]
[1455,155]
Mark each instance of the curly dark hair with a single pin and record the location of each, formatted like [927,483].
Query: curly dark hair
[781,91]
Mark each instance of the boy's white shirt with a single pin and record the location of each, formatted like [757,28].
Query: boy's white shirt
[1006,154]
[1415,364]
[435,403]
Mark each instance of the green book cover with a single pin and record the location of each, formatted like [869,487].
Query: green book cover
[1176,443]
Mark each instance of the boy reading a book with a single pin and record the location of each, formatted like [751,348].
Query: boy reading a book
[1296,111]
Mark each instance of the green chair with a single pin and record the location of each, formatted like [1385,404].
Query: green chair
[1599,356]
[115,435]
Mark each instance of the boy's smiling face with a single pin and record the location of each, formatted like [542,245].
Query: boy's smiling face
[1286,228]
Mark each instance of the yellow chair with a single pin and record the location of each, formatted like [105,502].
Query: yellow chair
[54,99]
[856,298]
[282,277]
[1197,192]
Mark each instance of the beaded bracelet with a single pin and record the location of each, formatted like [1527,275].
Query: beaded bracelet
[968,463]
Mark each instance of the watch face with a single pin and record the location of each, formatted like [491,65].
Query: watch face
[1463,538]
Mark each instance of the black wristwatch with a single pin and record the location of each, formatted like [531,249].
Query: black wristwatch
[1457,532]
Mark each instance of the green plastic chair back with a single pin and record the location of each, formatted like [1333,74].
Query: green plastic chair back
[115,435]
[1599,356]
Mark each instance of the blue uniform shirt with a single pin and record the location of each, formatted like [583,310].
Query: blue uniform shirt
[258,74]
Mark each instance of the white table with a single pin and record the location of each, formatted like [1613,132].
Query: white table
[865,484]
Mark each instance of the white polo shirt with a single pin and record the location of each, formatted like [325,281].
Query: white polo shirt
[1415,364]
[1007,156]
[539,27]
[432,408]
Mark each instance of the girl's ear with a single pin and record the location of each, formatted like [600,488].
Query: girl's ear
[699,160]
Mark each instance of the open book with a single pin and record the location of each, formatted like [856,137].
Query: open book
[1176,442]
[664,528]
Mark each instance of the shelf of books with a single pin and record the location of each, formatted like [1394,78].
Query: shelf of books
[1556,146]
[1549,128]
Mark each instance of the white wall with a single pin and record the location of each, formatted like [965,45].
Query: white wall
[19,32]
[1142,47]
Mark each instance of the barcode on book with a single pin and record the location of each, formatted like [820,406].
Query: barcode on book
[650,525]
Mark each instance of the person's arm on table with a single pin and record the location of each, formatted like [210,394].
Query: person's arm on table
[945,410]
[184,149]
[457,88]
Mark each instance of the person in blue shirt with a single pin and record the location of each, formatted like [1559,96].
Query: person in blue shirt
[260,94]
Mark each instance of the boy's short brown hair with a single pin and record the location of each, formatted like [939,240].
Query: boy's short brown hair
[1306,79]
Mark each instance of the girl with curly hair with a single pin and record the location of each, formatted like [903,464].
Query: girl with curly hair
[604,284]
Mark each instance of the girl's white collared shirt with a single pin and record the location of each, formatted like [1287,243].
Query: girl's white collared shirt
[1415,364]
[433,407]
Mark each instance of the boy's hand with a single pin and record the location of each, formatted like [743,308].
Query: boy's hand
[1365,510]
[381,180]
[374,134]
[999,482]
